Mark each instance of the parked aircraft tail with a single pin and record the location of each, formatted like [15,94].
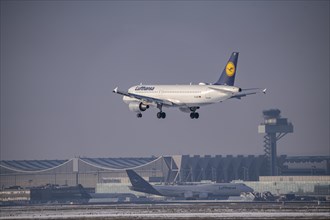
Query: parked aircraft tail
[228,74]
[139,184]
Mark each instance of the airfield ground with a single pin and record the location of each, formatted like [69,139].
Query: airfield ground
[191,210]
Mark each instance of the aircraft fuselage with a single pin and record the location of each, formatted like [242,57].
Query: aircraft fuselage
[183,95]
[215,190]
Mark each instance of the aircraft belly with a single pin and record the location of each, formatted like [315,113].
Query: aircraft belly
[183,100]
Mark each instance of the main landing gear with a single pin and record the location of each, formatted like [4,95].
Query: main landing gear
[194,115]
[161,115]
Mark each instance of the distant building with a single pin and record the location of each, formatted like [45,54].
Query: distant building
[177,168]
[299,185]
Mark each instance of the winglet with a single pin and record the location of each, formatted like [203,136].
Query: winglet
[115,90]
[264,90]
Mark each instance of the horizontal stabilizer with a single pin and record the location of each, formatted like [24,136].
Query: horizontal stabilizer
[246,92]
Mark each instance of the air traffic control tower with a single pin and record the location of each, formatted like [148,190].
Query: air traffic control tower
[274,127]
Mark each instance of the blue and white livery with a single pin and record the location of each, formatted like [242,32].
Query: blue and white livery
[188,98]
[192,191]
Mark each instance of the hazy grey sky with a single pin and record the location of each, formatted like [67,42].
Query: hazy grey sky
[60,62]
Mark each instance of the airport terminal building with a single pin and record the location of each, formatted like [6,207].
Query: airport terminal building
[164,169]
[176,169]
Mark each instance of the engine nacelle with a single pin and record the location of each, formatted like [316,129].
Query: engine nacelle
[137,106]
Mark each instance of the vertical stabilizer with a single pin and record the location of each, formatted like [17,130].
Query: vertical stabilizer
[139,184]
[228,74]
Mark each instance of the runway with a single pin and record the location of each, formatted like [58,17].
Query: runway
[196,211]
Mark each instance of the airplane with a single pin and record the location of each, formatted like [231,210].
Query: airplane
[194,191]
[188,98]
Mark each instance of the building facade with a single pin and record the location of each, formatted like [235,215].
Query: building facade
[168,169]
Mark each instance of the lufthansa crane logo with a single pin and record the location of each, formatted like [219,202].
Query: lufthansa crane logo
[230,69]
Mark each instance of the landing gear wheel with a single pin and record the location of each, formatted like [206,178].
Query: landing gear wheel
[161,115]
[139,115]
[194,115]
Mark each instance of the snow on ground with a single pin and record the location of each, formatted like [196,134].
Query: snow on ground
[133,214]
[198,211]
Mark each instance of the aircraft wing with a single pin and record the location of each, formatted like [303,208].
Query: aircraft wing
[246,92]
[145,99]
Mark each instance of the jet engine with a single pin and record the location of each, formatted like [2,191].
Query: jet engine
[137,107]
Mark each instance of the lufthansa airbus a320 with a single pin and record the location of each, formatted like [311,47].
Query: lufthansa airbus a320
[188,98]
